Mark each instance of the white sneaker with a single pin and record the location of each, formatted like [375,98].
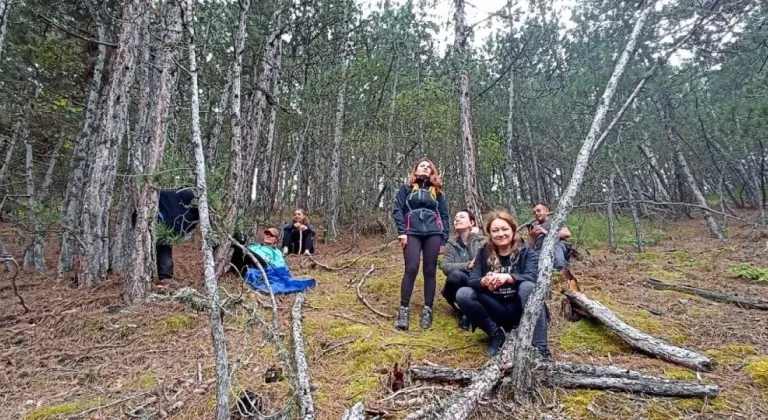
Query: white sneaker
[306,252]
[285,250]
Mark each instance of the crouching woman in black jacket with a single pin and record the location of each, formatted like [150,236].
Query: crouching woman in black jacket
[500,283]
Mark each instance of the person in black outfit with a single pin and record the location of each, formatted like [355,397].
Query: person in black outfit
[500,284]
[298,235]
[175,209]
[459,259]
[421,217]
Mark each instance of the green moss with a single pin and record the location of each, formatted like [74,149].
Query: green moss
[347,330]
[665,275]
[146,381]
[175,323]
[680,374]
[758,371]
[682,257]
[732,354]
[60,410]
[592,337]
[643,321]
[648,256]
[362,385]
[714,404]
[661,412]
[577,402]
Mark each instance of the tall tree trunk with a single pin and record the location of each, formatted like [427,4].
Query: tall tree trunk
[332,209]
[632,203]
[138,280]
[658,176]
[390,139]
[79,163]
[5,6]
[523,353]
[211,283]
[539,194]
[33,252]
[509,154]
[214,137]
[233,198]
[471,191]
[611,216]
[10,149]
[97,197]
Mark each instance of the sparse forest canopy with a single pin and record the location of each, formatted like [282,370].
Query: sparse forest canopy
[261,107]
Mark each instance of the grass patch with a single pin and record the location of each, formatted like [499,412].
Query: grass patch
[758,371]
[146,381]
[680,374]
[749,272]
[591,337]
[175,323]
[577,402]
[732,354]
[696,404]
[59,410]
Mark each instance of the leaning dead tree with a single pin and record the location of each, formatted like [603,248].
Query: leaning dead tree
[211,283]
[524,354]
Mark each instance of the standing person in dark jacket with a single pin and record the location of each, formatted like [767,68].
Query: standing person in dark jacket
[459,259]
[298,235]
[421,216]
[500,284]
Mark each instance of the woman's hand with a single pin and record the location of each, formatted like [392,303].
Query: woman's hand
[471,264]
[403,240]
[487,281]
[442,249]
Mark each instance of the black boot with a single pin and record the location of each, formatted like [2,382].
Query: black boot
[463,321]
[496,340]
[401,323]
[426,318]
[544,353]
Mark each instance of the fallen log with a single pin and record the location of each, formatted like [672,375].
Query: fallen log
[303,391]
[567,375]
[462,403]
[649,386]
[638,339]
[740,301]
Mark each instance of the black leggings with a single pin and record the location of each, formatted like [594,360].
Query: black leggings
[454,281]
[430,246]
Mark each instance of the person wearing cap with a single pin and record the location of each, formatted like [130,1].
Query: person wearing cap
[267,251]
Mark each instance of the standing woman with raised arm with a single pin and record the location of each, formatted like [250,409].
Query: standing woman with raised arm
[421,216]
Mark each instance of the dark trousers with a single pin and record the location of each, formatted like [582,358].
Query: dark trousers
[455,280]
[418,245]
[291,240]
[164,255]
[487,312]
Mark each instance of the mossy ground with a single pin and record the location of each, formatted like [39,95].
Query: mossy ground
[86,356]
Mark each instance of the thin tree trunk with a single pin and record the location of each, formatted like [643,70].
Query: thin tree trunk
[632,204]
[390,138]
[214,137]
[523,353]
[97,197]
[138,280]
[535,162]
[471,191]
[79,163]
[509,150]
[211,284]
[33,252]
[9,151]
[332,209]
[233,198]
[611,228]
[658,176]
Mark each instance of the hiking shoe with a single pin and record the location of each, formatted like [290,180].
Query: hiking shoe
[285,250]
[426,318]
[544,354]
[496,340]
[401,323]
[464,323]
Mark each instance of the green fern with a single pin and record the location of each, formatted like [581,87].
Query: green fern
[749,272]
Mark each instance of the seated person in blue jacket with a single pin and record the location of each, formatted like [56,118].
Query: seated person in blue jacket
[500,283]
[539,229]
[459,259]
[298,235]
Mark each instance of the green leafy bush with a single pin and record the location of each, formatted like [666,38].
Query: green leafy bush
[749,272]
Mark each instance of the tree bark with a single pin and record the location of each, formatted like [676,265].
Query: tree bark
[658,176]
[636,338]
[214,137]
[740,301]
[302,369]
[632,204]
[211,283]
[5,6]
[79,162]
[656,386]
[33,252]
[233,198]
[509,150]
[97,197]
[521,375]
[471,191]
[332,209]
[138,280]
[539,194]
[611,217]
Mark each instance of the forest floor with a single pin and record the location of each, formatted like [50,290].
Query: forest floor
[80,354]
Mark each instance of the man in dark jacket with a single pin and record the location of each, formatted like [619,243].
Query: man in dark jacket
[175,209]
[539,229]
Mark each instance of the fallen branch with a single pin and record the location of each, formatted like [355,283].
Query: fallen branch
[740,301]
[302,369]
[649,386]
[336,346]
[638,339]
[567,375]
[7,259]
[362,298]
[187,296]
[351,263]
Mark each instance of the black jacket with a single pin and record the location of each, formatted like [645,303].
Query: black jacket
[525,267]
[417,213]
